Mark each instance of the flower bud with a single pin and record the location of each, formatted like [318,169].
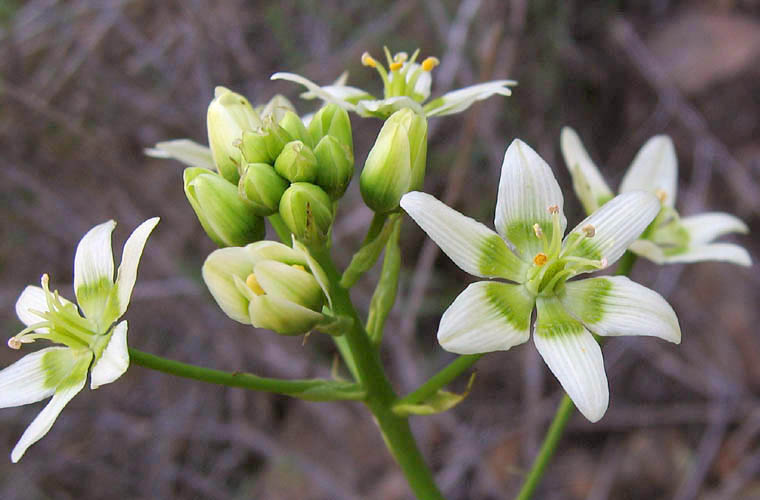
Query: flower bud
[269,285]
[275,108]
[293,124]
[416,126]
[307,211]
[336,166]
[332,120]
[227,219]
[297,162]
[387,171]
[229,114]
[264,144]
[262,187]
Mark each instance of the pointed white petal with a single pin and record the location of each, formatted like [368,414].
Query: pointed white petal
[573,356]
[527,189]
[614,306]
[471,245]
[704,228]
[183,150]
[130,259]
[67,389]
[487,316]
[616,226]
[33,299]
[34,377]
[588,182]
[315,89]
[382,108]
[341,92]
[461,99]
[219,272]
[725,252]
[93,270]
[655,168]
[114,361]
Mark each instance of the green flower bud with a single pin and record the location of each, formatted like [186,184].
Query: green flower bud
[264,144]
[293,124]
[227,219]
[262,187]
[307,211]
[297,162]
[336,166]
[416,126]
[275,108]
[229,114]
[332,120]
[269,285]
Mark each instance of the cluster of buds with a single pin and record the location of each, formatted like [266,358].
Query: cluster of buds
[269,161]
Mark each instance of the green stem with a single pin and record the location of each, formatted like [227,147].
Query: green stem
[561,417]
[440,379]
[380,395]
[280,228]
[310,389]
[548,448]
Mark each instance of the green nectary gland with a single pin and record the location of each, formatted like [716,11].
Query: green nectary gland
[521,233]
[492,258]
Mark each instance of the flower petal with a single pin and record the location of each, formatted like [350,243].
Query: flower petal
[114,361]
[219,270]
[616,226]
[34,377]
[573,356]
[33,299]
[315,90]
[471,245]
[614,306]
[67,389]
[382,108]
[281,315]
[725,252]
[588,182]
[704,228]
[655,168]
[183,150]
[487,316]
[458,100]
[130,259]
[93,270]
[316,270]
[648,250]
[527,189]
[352,95]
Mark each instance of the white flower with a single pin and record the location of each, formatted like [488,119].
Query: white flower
[406,84]
[527,249]
[92,341]
[669,238]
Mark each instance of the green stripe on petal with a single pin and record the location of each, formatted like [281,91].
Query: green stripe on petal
[34,377]
[615,306]
[67,388]
[471,245]
[458,100]
[290,283]
[573,356]
[487,316]
[615,227]
[93,270]
[527,189]
[282,316]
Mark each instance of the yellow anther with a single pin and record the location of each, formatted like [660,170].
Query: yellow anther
[299,267]
[395,66]
[252,283]
[553,209]
[540,259]
[14,343]
[429,63]
[368,60]
[589,230]
[537,230]
[661,194]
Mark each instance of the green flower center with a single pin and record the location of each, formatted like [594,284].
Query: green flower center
[397,79]
[667,232]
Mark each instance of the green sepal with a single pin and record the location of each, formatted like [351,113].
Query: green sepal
[262,187]
[437,403]
[335,166]
[294,126]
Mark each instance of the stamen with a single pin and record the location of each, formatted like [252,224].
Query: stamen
[252,283]
[662,195]
[540,259]
[553,209]
[395,66]
[14,343]
[299,267]
[368,60]
[429,63]
[589,230]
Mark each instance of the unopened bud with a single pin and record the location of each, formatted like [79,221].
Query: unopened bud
[297,162]
[229,115]
[307,211]
[225,216]
[276,108]
[262,187]
[264,144]
[332,120]
[336,166]
[293,124]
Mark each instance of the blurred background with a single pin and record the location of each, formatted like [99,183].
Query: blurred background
[86,85]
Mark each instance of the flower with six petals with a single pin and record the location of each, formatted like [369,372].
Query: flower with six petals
[528,250]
